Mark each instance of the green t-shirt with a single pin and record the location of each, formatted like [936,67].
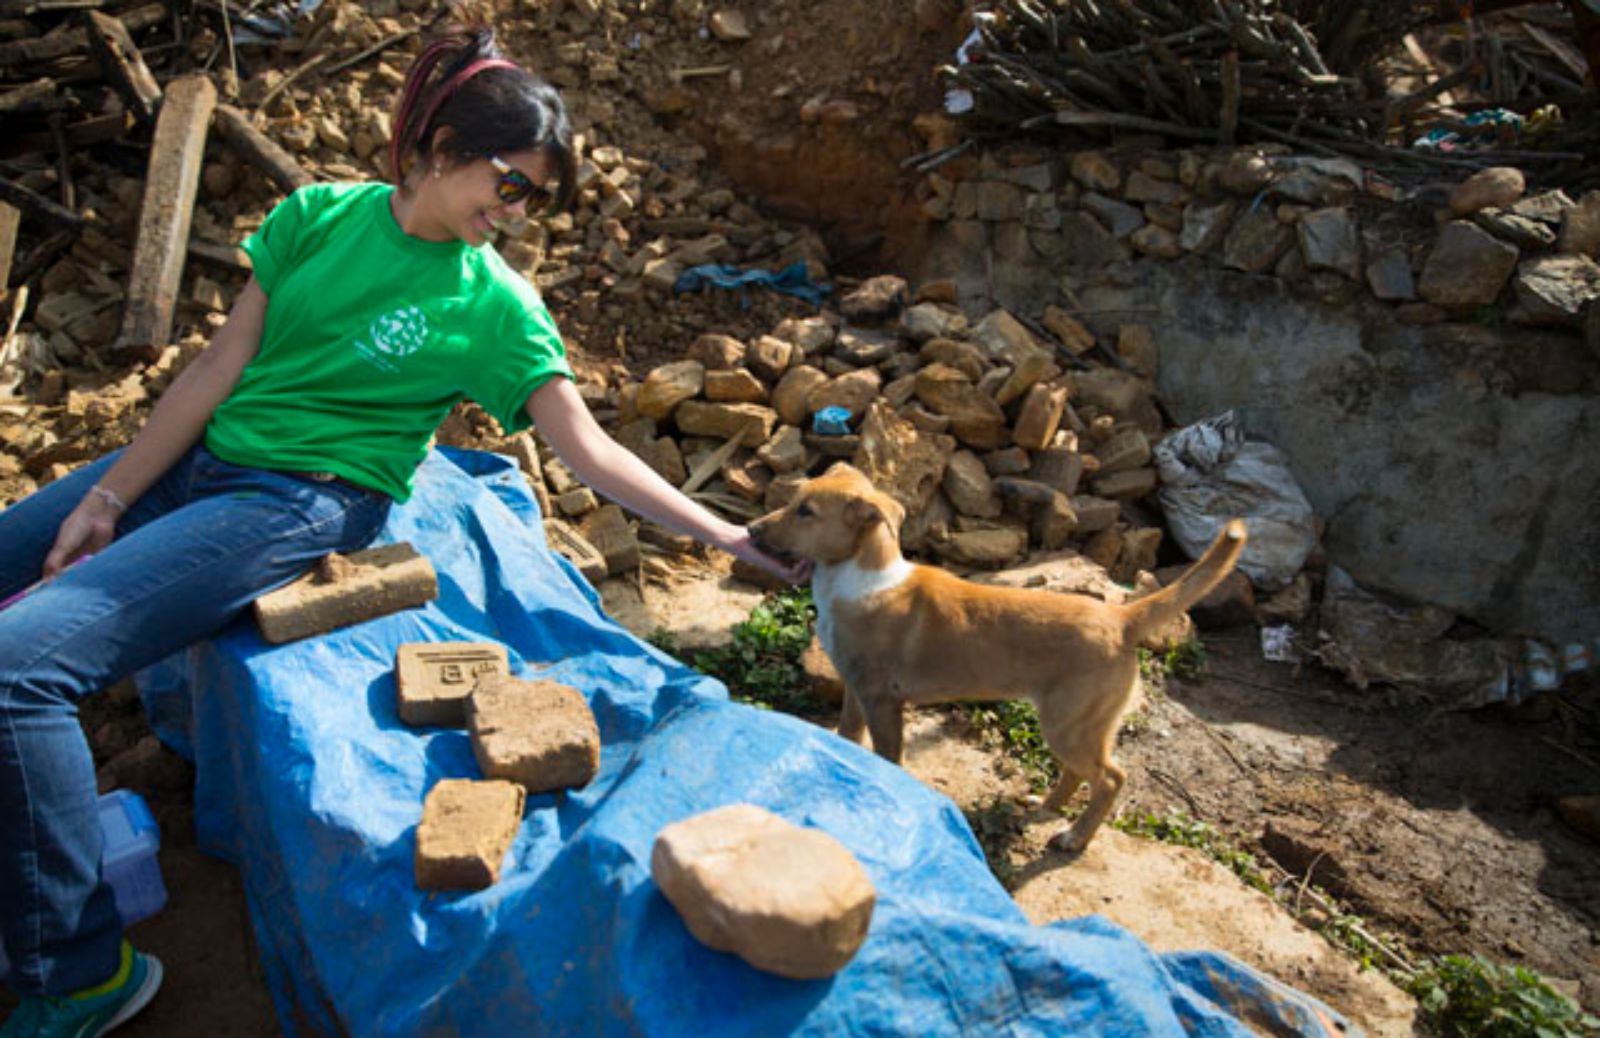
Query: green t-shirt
[371,337]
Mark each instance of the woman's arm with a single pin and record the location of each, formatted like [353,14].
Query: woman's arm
[613,470]
[175,424]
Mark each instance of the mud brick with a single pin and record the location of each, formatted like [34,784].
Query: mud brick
[1041,415]
[433,679]
[612,535]
[571,545]
[467,828]
[1128,485]
[538,734]
[1095,513]
[1124,451]
[1059,467]
[343,590]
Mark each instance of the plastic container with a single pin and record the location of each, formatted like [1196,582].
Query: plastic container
[128,859]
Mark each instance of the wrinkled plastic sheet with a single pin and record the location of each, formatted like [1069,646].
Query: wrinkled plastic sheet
[308,781]
[791,280]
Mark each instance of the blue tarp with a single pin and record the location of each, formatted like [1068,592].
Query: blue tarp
[309,782]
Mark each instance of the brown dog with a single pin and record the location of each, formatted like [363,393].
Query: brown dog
[902,633]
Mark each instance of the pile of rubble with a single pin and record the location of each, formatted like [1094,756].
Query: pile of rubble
[995,441]
[80,358]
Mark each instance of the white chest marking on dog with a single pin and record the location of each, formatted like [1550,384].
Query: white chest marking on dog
[849,582]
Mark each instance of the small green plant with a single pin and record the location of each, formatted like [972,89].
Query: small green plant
[1185,661]
[1468,997]
[998,824]
[1013,725]
[1175,827]
[761,665]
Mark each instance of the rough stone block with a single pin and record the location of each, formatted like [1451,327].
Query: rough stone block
[433,679]
[538,734]
[343,590]
[608,529]
[785,899]
[1128,485]
[467,828]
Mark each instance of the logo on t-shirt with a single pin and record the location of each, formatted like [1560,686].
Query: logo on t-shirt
[394,335]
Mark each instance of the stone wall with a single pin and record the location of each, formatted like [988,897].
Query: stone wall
[1431,364]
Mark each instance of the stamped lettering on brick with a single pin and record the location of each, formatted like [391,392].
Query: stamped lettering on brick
[433,679]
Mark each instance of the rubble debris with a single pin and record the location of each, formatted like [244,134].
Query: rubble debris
[787,900]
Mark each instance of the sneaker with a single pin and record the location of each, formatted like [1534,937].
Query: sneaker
[92,1011]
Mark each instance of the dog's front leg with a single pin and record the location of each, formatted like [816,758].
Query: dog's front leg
[885,720]
[852,721]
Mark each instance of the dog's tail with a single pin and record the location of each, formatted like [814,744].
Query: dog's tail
[1154,612]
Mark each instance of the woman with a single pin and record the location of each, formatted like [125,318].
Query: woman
[372,310]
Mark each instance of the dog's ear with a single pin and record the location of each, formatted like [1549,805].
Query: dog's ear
[895,513]
[863,512]
[841,468]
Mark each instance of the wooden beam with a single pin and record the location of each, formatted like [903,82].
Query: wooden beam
[260,150]
[176,153]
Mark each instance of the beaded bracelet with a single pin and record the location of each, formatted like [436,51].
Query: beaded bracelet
[109,497]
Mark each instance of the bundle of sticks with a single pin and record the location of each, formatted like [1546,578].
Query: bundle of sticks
[1306,72]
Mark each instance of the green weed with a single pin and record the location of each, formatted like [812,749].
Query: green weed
[1013,726]
[1185,661]
[761,665]
[1175,827]
[1468,997]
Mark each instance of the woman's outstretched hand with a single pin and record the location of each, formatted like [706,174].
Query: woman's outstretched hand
[743,547]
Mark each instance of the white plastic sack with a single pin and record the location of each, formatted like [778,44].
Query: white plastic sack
[1211,474]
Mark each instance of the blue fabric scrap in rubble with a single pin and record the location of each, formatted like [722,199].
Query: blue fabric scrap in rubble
[309,782]
[791,280]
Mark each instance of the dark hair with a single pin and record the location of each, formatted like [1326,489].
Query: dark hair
[495,108]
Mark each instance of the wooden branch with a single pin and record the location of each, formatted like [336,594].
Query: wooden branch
[10,217]
[118,56]
[176,154]
[260,150]
[28,96]
[60,44]
[362,55]
[39,207]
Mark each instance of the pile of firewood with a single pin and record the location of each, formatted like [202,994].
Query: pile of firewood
[1311,73]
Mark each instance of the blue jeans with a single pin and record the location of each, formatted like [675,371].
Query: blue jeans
[189,556]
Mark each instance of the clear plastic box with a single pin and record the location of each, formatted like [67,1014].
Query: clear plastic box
[128,859]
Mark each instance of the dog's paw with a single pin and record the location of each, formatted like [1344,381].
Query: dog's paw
[1069,842]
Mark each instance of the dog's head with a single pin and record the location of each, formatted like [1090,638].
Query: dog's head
[829,518]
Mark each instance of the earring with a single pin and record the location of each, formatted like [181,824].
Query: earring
[437,173]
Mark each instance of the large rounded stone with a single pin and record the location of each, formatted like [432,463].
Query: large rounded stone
[1497,186]
[785,899]
[670,385]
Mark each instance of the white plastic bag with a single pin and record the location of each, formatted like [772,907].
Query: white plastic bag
[1210,474]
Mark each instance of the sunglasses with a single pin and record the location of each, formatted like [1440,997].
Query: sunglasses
[514,185]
